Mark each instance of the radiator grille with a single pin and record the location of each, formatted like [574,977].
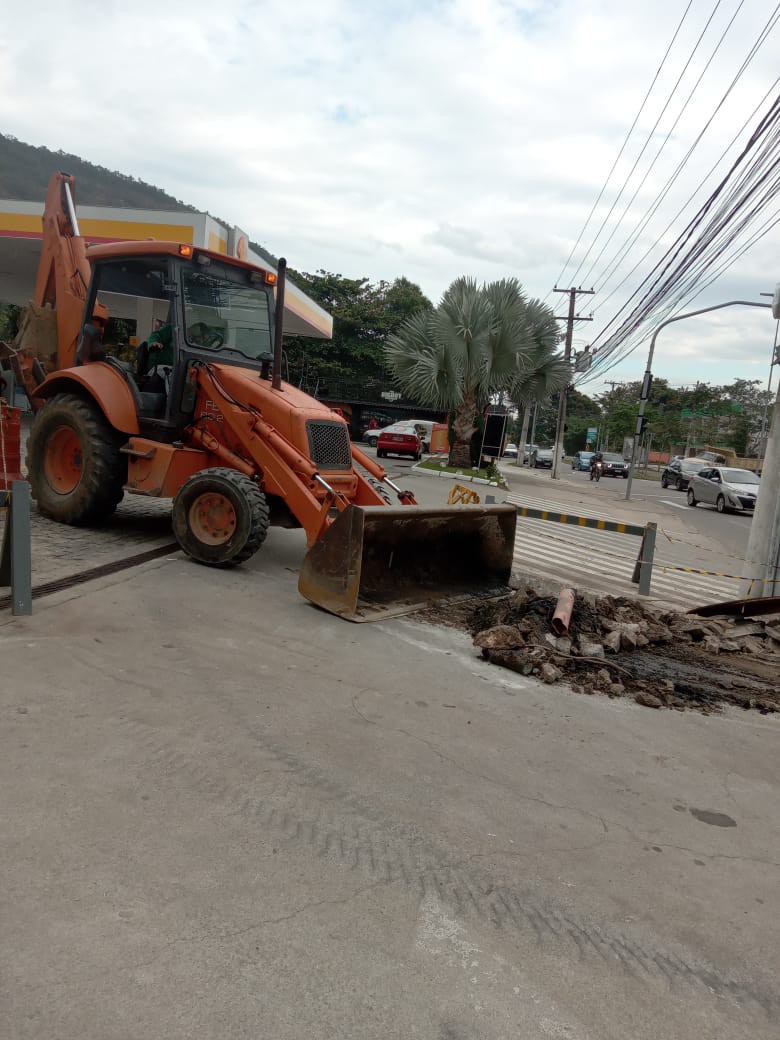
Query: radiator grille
[329,444]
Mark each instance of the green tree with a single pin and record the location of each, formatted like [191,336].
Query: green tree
[9,320]
[455,356]
[364,315]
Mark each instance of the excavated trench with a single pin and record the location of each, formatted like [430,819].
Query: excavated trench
[623,648]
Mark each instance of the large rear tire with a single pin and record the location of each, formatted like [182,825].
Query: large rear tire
[220,517]
[76,470]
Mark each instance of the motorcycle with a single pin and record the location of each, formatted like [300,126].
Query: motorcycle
[595,470]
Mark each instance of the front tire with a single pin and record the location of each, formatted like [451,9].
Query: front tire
[720,504]
[664,481]
[691,497]
[220,517]
[76,470]
[679,484]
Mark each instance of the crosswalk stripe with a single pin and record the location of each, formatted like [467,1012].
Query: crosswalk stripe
[538,549]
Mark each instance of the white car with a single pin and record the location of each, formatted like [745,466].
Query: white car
[725,488]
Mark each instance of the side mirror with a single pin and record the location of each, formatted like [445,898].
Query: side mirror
[90,346]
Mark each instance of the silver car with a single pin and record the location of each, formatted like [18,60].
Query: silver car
[724,488]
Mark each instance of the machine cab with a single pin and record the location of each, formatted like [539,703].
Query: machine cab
[170,305]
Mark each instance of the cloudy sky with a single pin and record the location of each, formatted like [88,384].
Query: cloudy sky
[428,139]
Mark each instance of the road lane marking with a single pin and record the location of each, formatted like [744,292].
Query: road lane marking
[677,505]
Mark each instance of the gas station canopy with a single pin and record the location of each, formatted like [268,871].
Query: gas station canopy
[20,248]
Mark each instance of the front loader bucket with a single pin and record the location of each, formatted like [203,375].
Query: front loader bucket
[378,561]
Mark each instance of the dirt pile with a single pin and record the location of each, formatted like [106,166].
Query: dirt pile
[622,647]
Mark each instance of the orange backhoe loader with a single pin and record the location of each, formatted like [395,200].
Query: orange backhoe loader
[155,368]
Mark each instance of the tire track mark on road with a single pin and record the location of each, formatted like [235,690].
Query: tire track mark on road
[316,813]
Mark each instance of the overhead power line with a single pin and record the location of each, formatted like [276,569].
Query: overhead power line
[649,138]
[624,144]
[665,141]
[710,242]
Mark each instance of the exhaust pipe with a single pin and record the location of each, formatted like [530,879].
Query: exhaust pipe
[281,276]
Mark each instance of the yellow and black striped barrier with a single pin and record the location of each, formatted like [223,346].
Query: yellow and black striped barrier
[581,521]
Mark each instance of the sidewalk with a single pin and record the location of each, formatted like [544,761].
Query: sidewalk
[60,551]
[604,561]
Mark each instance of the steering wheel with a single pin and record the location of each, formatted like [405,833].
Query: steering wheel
[215,341]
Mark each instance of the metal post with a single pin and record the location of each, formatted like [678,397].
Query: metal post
[645,560]
[15,563]
[648,377]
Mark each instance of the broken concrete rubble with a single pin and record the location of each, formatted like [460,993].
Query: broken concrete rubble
[623,647]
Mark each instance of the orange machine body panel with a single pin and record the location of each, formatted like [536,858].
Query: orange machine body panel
[159,470]
[104,384]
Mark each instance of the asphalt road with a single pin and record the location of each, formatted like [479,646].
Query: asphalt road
[228,814]
[731,530]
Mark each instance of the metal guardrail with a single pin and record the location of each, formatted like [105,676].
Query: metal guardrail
[15,553]
[643,568]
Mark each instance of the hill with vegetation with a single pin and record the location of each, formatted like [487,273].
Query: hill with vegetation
[25,171]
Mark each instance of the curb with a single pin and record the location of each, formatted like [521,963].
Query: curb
[458,476]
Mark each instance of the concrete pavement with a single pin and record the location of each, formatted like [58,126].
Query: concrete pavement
[228,814]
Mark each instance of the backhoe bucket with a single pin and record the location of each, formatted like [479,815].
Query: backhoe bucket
[379,561]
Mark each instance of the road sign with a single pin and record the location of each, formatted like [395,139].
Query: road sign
[591,435]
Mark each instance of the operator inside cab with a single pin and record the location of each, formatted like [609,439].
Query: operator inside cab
[155,359]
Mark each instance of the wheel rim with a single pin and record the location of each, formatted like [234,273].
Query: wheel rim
[212,518]
[720,505]
[63,461]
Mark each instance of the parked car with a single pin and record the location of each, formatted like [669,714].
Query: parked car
[725,488]
[541,458]
[424,431]
[581,460]
[615,465]
[400,440]
[510,451]
[679,472]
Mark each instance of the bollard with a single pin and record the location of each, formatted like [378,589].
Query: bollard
[643,568]
[15,557]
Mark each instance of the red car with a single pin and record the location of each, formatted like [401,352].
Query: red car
[404,441]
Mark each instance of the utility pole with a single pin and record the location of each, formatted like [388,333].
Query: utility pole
[762,558]
[570,318]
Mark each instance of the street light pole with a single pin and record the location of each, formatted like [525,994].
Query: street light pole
[648,377]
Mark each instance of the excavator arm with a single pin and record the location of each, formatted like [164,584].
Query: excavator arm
[50,327]
[64,272]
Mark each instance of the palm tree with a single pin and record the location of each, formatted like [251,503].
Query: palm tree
[543,372]
[455,356]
